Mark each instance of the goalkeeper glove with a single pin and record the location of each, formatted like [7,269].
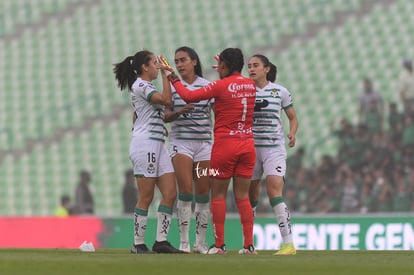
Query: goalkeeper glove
[172,77]
[216,57]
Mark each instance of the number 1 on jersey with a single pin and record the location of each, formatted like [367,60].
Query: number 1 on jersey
[244,102]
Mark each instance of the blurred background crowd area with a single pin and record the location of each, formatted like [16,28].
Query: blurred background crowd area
[61,112]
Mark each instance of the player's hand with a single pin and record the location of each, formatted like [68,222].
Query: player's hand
[216,57]
[164,65]
[292,140]
[187,108]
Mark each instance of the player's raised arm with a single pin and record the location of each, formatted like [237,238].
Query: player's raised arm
[164,98]
[206,92]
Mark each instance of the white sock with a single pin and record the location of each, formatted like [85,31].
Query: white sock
[202,216]
[254,211]
[140,226]
[184,217]
[283,219]
[163,226]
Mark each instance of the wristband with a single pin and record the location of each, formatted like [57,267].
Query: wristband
[173,78]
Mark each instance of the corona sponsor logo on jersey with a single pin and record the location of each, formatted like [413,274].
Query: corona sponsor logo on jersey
[234,87]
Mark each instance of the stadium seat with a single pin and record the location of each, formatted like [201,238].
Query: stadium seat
[68,76]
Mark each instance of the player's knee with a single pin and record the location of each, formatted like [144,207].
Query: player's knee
[169,197]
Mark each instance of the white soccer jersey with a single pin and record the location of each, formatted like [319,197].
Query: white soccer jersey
[196,125]
[150,117]
[267,122]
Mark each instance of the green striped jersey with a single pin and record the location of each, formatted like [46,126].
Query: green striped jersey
[267,122]
[196,125]
[149,124]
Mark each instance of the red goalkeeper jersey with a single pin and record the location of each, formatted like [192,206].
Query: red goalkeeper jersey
[234,98]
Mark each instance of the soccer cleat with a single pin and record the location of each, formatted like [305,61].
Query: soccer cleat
[217,250]
[286,249]
[185,247]
[165,247]
[141,249]
[249,250]
[200,249]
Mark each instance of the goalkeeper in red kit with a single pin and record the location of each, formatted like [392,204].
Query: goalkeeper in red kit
[233,154]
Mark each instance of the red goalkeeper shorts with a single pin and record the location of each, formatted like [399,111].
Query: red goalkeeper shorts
[232,158]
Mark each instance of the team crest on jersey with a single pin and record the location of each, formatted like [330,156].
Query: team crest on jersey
[275,92]
[151,168]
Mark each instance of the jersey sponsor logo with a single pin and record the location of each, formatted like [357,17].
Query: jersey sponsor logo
[241,130]
[195,114]
[261,120]
[275,92]
[259,104]
[234,87]
[151,168]
[245,94]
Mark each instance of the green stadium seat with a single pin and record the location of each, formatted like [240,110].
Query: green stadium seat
[69,63]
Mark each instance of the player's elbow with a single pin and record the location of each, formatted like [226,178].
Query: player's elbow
[162,100]
[167,118]
[168,102]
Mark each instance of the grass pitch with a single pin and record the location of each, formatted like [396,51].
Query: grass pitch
[117,261]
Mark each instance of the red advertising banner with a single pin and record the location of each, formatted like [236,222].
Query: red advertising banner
[49,232]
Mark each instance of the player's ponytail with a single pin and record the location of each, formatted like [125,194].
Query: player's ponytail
[127,71]
[272,73]
[124,73]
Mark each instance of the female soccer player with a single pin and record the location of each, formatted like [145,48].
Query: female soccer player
[271,99]
[151,163]
[233,154]
[190,149]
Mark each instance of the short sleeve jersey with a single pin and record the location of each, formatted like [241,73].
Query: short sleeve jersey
[149,124]
[267,118]
[195,125]
[234,98]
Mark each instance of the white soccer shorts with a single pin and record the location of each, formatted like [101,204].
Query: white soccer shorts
[149,158]
[269,161]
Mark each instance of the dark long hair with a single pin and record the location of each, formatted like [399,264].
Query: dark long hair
[193,56]
[127,71]
[272,73]
[233,58]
